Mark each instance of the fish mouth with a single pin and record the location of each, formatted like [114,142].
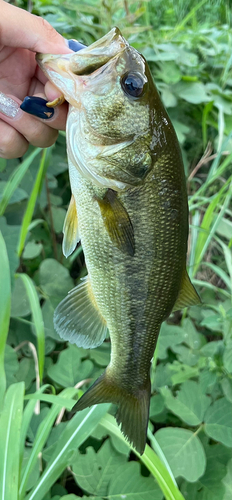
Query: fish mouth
[84,62]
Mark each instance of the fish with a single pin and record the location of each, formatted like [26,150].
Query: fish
[129,209]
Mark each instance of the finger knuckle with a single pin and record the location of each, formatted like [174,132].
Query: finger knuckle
[11,145]
[42,138]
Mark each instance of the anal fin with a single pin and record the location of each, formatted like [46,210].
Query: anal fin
[70,230]
[188,296]
[78,320]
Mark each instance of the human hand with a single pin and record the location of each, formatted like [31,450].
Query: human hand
[21,35]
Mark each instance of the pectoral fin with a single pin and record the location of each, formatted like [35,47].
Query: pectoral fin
[78,320]
[188,296]
[117,222]
[70,230]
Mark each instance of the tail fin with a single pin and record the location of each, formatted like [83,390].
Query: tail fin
[133,409]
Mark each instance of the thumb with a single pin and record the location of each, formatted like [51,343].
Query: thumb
[19,28]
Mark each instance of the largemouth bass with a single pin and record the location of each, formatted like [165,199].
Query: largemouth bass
[129,208]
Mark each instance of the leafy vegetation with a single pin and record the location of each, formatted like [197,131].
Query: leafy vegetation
[43,454]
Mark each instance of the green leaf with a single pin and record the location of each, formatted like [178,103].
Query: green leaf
[10,424]
[32,200]
[26,371]
[211,480]
[32,250]
[55,280]
[93,471]
[40,440]
[58,216]
[193,92]
[69,368]
[226,384]
[11,364]
[37,318]
[20,304]
[5,303]
[35,473]
[170,335]
[27,416]
[156,405]
[182,372]
[75,433]
[101,355]
[128,483]
[192,337]
[149,459]
[189,404]
[183,451]
[227,357]
[10,235]
[15,180]
[227,481]
[218,421]
[18,195]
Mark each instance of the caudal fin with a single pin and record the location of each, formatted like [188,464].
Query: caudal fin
[133,409]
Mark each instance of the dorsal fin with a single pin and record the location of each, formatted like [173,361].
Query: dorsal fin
[188,296]
[70,230]
[77,318]
[117,222]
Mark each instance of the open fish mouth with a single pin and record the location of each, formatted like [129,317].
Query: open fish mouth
[85,61]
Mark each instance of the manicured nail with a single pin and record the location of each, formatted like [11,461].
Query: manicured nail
[8,107]
[37,106]
[75,45]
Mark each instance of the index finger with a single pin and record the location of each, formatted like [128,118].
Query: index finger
[19,28]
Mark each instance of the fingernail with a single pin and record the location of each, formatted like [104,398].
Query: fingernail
[8,106]
[75,45]
[36,106]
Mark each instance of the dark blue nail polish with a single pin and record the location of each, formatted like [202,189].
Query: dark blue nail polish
[36,106]
[75,45]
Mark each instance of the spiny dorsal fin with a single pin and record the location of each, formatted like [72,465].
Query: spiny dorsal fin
[78,320]
[188,296]
[70,230]
[117,222]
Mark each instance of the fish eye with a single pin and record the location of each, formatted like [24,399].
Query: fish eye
[133,84]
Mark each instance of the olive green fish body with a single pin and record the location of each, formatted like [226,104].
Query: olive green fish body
[135,294]
[129,208]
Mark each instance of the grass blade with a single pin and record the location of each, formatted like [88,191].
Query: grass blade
[41,437]
[75,433]
[15,180]
[5,303]
[27,416]
[150,459]
[32,200]
[10,425]
[209,224]
[37,318]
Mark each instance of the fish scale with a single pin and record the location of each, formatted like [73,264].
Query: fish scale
[129,208]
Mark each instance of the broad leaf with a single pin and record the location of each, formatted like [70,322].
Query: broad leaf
[69,369]
[227,481]
[93,471]
[190,404]
[130,484]
[218,421]
[183,451]
[74,434]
